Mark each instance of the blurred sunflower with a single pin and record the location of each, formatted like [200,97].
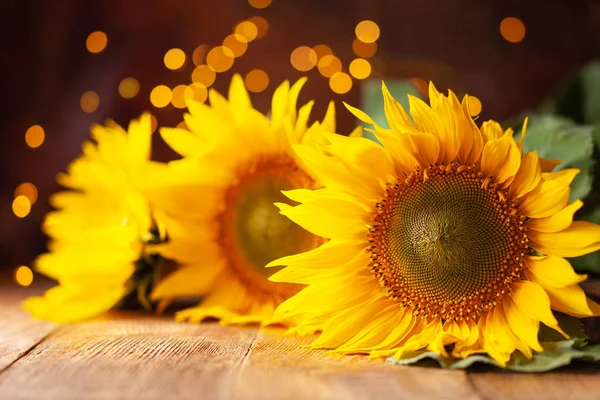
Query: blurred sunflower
[445,238]
[217,202]
[99,232]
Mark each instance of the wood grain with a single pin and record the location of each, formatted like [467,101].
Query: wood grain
[18,331]
[125,356]
[279,367]
[137,356]
[550,386]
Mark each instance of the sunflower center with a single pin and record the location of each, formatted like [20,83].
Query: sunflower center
[254,233]
[446,241]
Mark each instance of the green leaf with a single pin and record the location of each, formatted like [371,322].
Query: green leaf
[372,98]
[570,325]
[590,82]
[579,98]
[558,352]
[597,135]
[558,355]
[560,139]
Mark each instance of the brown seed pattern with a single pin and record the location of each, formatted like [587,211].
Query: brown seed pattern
[252,232]
[447,241]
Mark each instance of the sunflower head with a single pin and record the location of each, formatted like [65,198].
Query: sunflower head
[443,237]
[99,229]
[217,201]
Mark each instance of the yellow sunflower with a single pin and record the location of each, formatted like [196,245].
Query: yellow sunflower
[217,202]
[444,235]
[99,230]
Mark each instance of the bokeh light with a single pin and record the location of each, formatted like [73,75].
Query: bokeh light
[220,59]
[367,31]
[360,68]
[259,3]
[512,29]
[174,59]
[329,65]
[340,82]
[153,123]
[178,96]
[199,54]
[89,101]
[23,275]
[257,80]
[364,50]
[129,88]
[236,43]
[182,125]
[204,75]
[21,206]
[474,105]
[303,58]
[160,96]
[322,50]
[96,42]
[34,136]
[28,190]
[197,92]
[247,29]
[262,26]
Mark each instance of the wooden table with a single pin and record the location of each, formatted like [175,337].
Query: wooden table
[134,356]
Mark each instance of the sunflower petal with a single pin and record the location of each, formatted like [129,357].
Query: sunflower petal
[528,176]
[182,142]
[238,95]
[64,304]
[360,114]
[333,219]
[552,271]
[501,158]
[328,255]
[293,97]
[338,175]
[279,104]
[525,328]
[564,176]
[532,300]
[328,124]
[395,114]
[580,238]
[557,222]
[573,301]
[548,198]
[188,281]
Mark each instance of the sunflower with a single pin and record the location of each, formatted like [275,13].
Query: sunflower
[445,237]
[100,229]
[216,202]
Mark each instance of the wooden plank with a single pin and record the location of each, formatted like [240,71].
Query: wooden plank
[280,368]
[18,331]
[130,356]
[127,355]
[550,386]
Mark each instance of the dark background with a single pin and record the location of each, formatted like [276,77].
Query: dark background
[45,67]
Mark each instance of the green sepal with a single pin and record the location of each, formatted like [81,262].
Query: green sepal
[146,275]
